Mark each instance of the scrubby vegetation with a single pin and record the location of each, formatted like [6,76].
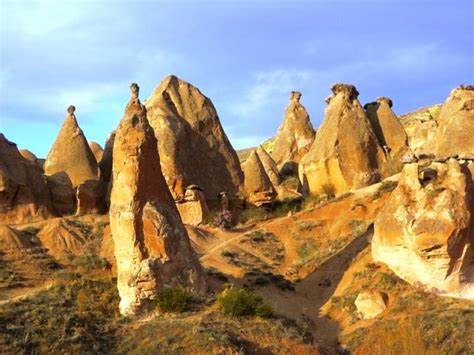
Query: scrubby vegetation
[237,302]
[175,300]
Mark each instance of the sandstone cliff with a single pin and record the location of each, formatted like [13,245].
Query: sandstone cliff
[152,248]
[192,144]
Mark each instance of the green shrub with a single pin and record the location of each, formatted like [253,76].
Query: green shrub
[91,262]
[238,302]
[175,300]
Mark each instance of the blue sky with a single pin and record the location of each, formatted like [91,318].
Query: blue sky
[245,55]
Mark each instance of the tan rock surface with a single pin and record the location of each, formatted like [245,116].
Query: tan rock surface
[269,165]
[193,207]
[346,154]
[96,150]
[71,154]
[296,133]
[389,131]
[456,124]
[371,303]
[425,231]
[63,196]
[25,153]
[24,195]
[258,186]
[422,130]
[105,164]
[193,147]
[152,247]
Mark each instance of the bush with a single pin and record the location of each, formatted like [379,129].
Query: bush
[223,220]
[240,302]
[174,300]
[90,262]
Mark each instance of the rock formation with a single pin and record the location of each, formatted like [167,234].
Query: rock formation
[193,207]
[152,247]
[192,144]
[346,154]
[270,166]
[456,124]
[296,133]
[370,303]
[389,131]
[25,153]
[71,154]
[105,164]
[24,195]
[421,127]
[63,196]
[425,232]
[97,150]
[258,186]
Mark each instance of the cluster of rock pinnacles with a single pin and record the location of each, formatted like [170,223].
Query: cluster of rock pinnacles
[169,161]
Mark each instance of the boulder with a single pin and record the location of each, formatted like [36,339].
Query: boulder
[24,195]
[71,154]
[346,154]
[258,187]
[389,131]
[63,196]
[425,231]
[152,247]
[296,133]
[86,197]
[192,144]
[193,207]
[96,150]
[371,303]
[456,124]
[25,153]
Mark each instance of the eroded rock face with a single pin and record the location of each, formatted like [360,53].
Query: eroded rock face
[421,127]
[456,124]
[258,186]
[193,207]
[152,247]
[192,144]
[96,150]
[24,195]
[25,153]
[425,231]
[296,133]
[63,196]
[71,154]
[346,154]
[270,166]
[105,164]
[389,131]
[371,303]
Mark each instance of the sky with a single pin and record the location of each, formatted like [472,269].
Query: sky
[244,55]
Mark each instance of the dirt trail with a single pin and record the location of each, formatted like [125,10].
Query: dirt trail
[24,292]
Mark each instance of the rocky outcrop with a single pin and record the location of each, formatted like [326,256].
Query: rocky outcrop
[97,150]
[258,187]
[152,247]
[425,232]
[193,207]
[346,154]
[105,164]
[269,165]
[24,195]
[63,196]
[370,303]
[192,144]
[71,154]
[389,131]
[25,153]
[422,130]
[456,124]
[296,133]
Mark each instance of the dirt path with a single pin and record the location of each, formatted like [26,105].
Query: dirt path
[24,292]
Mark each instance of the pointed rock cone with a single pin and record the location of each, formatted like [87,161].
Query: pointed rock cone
[97,150]
[152,247]
[456,124]
[296,133]
[71,154]
[425,230]
[389,131]
[192,144]
[258,186]
[346,154]
[269,165]
[105,163]
[24,195]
